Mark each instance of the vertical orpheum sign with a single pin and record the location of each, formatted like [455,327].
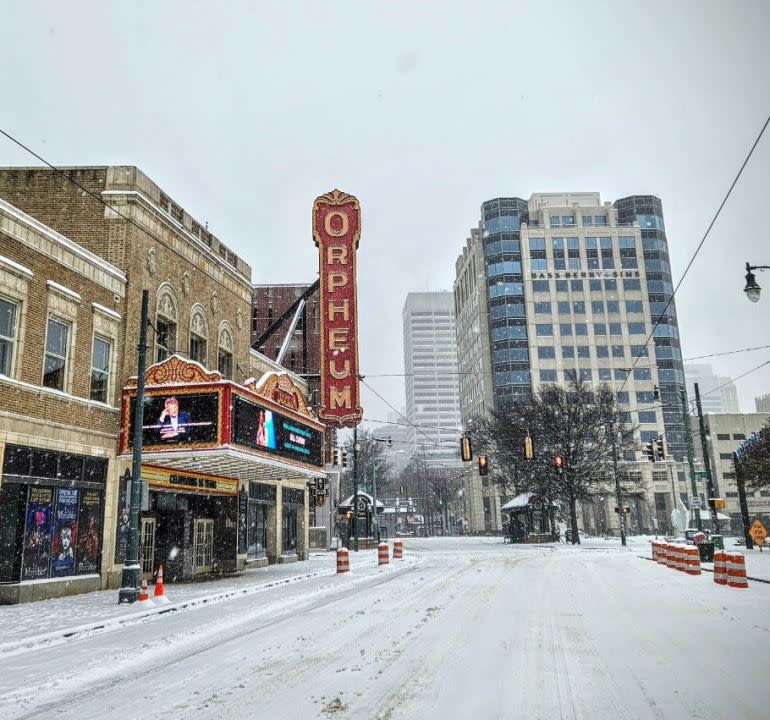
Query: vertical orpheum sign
[336,231]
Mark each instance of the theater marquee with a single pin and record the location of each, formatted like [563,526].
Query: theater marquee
[336,231]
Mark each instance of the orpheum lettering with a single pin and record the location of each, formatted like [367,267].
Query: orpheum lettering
[336,231]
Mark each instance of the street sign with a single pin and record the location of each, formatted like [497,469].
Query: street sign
[701,474]
[696,503]
[758,532]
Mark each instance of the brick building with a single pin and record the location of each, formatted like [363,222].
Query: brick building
[269,302]
[61,329]
[87,269]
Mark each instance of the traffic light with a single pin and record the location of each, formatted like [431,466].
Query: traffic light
[529,451]
[343,458]
[483,465]
[716,503]
[558,463]
[624,509]
[661,448]
[466,451]
[650,450]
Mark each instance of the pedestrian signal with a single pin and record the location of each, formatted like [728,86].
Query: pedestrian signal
[483,465]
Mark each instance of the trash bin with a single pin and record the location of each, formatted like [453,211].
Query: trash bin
[719,542]
[706,550]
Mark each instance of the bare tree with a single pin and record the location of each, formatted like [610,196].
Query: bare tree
[755,466]
[371,459]
[575,431]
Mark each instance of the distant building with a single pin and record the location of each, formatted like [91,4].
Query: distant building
[270,301]
[725,432]
[430,364]
[762,403]
[718,393]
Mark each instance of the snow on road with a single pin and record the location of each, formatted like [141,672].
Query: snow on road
[472,629]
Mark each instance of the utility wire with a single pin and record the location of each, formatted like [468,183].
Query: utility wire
[703,240]
[92,195]
[729,352]
[416,427]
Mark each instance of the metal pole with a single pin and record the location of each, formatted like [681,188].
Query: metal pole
[374,499]
[355,488]
[131,578]
[740,481]
[621,514]
[706,461]
[690,461]
[304,339]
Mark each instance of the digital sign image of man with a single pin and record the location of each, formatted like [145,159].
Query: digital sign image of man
[266,430]
[173,422]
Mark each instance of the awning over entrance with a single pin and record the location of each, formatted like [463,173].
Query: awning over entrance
[229,462]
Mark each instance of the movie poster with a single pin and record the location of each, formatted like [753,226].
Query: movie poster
[89,544]
[37,533]
[122,525]
[65,532]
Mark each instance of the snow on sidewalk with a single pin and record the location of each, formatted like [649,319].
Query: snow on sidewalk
[48,621]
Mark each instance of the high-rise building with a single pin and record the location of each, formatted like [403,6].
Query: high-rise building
[430,364]
[572,284]
[718,393]
[762,403]
[270,301]
[565,285]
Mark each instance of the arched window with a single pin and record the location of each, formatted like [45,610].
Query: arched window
[165,324]
[199,336]
[225,364]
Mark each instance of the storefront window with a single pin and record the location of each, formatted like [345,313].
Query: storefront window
[50,514]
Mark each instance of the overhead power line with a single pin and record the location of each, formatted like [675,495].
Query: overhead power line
[700,244]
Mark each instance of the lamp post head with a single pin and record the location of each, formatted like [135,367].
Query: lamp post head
[752,289]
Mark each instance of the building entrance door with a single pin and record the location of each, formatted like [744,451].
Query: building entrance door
[204,546]
[147,546]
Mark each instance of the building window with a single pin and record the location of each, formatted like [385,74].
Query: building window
[165,326]
[543,330]
[100,369]
[9,311]
[199,337]
[225,362]
[56,345]
[548,376]
[543,308]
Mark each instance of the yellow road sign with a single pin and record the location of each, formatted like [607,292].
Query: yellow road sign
[758,532]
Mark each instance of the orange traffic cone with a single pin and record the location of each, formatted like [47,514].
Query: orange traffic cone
[144,595]
[160,595]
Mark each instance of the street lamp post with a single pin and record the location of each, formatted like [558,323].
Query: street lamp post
[752,289]
[129,586]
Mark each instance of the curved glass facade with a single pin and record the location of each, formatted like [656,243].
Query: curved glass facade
[647,210]
[502,218]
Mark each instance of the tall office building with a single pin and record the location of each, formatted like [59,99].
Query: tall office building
[718,393]
[430,362]
[567,284]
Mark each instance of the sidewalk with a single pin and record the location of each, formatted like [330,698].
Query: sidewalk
[50,620]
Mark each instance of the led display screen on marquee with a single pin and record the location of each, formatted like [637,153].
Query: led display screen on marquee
[336,231]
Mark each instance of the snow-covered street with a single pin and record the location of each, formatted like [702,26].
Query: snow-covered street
[462,628]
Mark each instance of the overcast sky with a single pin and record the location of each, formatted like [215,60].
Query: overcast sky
[244,112]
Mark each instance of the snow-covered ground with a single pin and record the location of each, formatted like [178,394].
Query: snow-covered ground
[464,628]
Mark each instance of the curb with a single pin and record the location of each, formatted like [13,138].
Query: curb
[21,645]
